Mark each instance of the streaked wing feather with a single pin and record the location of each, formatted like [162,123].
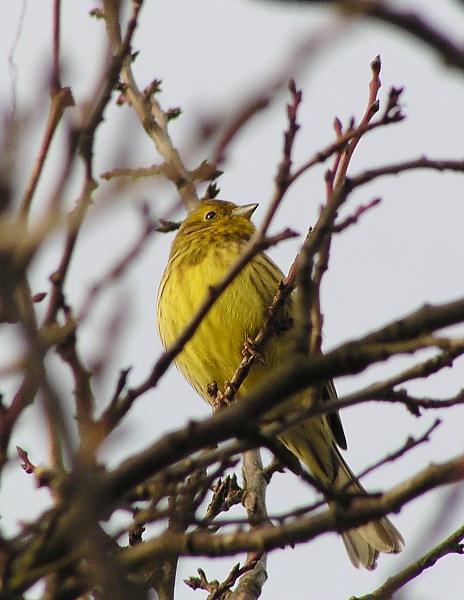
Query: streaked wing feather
[334,418]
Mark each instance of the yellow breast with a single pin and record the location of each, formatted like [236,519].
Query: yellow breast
[215,350]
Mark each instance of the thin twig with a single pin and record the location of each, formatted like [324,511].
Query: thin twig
[300,530]
[422,162]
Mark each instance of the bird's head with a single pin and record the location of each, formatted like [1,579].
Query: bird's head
[219,218]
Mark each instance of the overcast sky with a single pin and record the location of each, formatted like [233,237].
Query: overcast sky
[214,56]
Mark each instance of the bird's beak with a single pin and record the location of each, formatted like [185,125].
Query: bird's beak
[246,210]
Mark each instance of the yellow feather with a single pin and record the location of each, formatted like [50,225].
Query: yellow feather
[208,244]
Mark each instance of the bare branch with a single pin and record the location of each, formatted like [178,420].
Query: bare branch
[410,165]
[338,518]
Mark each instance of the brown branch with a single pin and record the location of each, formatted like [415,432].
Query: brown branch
[56,302]
[85,135]
[220,590]
[421,370]
[226,493]
[378,393]
[60,100]
[338,188]
[290,378]
[26,465]
[412,23]
[75,220]
[451,53]
[371,109]
[110,79]
[410,443]
[283,179]
[355,216]
[395,169]
[83,394]
[56,71]
[153,119]
[252,352]
[338,518]
[83,139]
[382,392]
[393,115]
[253,574]
[414,403]
[308,313]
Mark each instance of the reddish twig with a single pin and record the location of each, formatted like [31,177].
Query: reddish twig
[354,218]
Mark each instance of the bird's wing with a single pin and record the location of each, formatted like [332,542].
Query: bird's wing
[334,418]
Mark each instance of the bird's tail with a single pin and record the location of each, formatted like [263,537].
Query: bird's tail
[363,544]
[313,442]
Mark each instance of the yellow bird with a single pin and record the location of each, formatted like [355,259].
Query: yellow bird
[208,243]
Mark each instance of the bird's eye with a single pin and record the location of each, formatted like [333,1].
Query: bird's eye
[212,214]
